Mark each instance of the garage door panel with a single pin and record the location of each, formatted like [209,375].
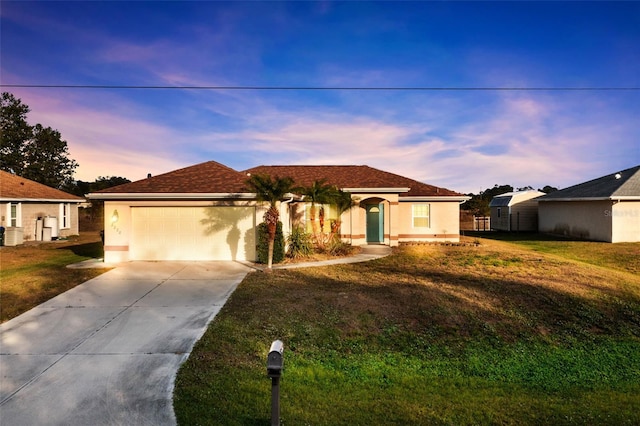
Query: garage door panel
[193,233]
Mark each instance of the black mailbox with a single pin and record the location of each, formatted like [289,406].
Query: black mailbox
[275,361]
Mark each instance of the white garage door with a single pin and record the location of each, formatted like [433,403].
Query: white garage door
[193,233]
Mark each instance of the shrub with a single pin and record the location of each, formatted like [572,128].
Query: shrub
[300,244]
[339,248]
[262,247]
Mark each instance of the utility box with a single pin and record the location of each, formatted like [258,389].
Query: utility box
[14,236]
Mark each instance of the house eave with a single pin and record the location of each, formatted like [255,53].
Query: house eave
[435,198]
[171,196]
[39,200]
[612,198]
[377,190]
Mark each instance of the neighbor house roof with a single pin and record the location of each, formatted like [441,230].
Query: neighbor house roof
[17,188]
[212,179]
[511,198]
[616,186]
[352,178]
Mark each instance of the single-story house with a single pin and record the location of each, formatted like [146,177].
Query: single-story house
[207,212]
[32,211]
[515,211]
[603,209]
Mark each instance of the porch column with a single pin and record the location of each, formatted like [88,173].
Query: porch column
[394,223]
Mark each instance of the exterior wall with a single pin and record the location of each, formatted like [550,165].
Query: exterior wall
[500,223]
[524,216]
[444,222]
[32,211]
[521,216]
[117,228]
[579,219]
[626,221]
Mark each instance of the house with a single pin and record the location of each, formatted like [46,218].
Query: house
[603,209]
[32,211]
[206,211]
[515,211]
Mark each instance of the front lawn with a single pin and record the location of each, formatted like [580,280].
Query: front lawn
[35,272]
[494,334]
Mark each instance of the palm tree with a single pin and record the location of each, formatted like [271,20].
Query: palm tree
[318,192]
[271,191]
[343,203]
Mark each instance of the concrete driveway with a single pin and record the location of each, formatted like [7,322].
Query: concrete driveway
[107,351]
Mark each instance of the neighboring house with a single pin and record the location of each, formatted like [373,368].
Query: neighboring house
[206,212]
[32,211]
[603,209]
[515,211]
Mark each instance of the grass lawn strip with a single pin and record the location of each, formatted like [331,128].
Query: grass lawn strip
[431,335]
[34,273]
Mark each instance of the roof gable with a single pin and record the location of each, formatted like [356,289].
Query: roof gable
[13,187]
[351,177]
[625,183]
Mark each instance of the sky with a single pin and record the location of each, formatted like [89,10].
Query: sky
[455,132]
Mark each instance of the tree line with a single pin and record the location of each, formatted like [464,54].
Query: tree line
[39,153]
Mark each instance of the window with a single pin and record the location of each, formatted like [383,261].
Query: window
[15,214]
[421,215]
[65,216]
[499,212]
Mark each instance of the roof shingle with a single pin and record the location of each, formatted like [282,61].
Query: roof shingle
[625,183]
[13,187]
[215,178]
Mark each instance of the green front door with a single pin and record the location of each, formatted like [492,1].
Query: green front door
[375,222]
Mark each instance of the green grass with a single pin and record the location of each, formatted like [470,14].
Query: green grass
[33,273]
[496,334]
[623,256]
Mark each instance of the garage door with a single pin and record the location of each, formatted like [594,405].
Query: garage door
[193,233]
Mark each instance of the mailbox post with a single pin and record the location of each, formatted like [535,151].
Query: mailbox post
[275,364]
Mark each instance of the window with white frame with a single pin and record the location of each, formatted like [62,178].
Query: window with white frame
[421,215]
[14,213]
[65,216]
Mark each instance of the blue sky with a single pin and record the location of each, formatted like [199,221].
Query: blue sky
[465,140]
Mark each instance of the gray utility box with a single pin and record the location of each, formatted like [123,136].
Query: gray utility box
[14,236]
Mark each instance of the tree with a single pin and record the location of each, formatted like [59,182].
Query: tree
[35,152]
[46,158]
[270,190]
[479,204]
[15,133]
[319,192]
[548,189]
[343,203]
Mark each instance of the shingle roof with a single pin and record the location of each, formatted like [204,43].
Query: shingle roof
[204,178]
[13,187]
[625,183]
[353,177]
[215,178]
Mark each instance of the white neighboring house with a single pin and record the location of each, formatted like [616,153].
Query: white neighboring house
[515,211]
[32,211]
[604,209]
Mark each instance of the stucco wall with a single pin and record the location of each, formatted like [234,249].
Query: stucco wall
[580,219]
[444,222]
[32,211]
[626,221]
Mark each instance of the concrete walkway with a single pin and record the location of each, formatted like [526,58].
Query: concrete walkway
[107,351]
